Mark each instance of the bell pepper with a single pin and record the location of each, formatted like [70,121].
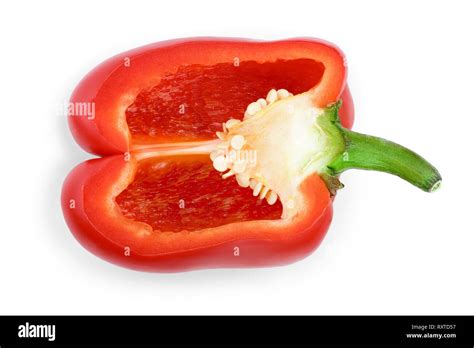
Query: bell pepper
[218,153]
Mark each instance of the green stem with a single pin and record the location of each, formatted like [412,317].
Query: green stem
[372,153]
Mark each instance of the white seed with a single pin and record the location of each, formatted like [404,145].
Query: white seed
[224,128]
[220,163]
[262,102]
[231,156]
[243,180]
[257,188]
[253,108]
[264,192]
[228,174]
[272,197]
[239,167]
[253,183]
[272,96]
[290,204]
[214,154]
[283,93]
[237,141]
[220,135]
[232,123]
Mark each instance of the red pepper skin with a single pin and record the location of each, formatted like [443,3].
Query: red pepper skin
[112,85]
[88,191]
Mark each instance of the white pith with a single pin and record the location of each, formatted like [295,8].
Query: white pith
[276,146]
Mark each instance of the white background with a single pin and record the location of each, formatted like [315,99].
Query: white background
[391,249]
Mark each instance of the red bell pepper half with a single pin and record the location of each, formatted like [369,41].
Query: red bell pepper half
[217,153]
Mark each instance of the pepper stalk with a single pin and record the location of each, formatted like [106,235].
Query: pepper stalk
[361,151]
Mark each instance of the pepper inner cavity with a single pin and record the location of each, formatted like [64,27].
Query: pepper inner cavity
[191,103]
[185,193]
